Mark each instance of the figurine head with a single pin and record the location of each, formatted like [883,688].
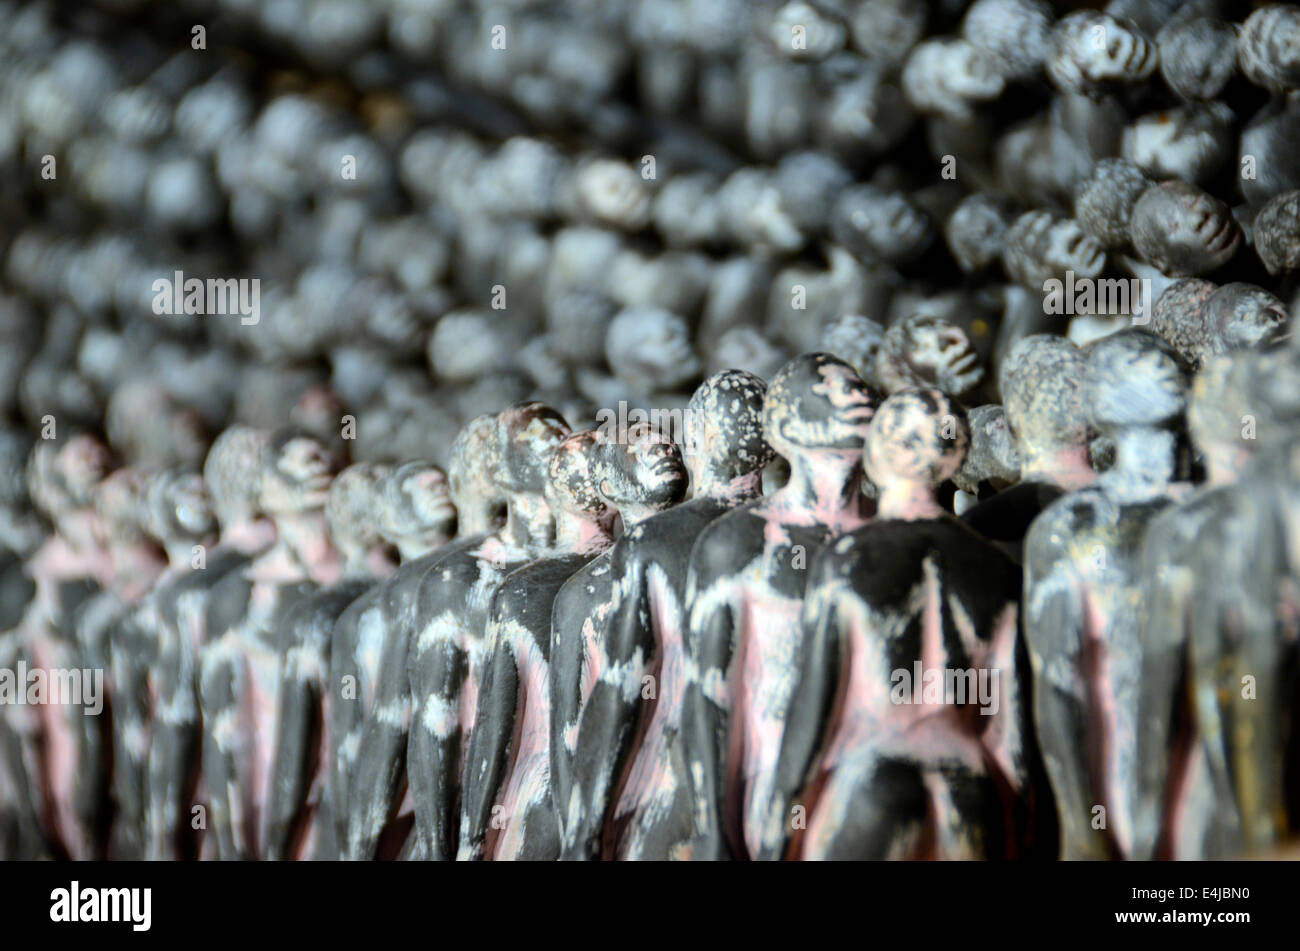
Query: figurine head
[178,507]
[923,351]
[416,509]
[817,403]
[62,476]
[1242,403]
[724,428]
[571,476]
[650,350]
[352,510]
[1041,380]
[1134,379]
[644,471]
[472,461]
[526,434]
[992,456]
[119,501]
[296,474]
[233,473]
[917,436]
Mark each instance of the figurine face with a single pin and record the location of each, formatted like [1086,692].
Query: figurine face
[646,470]
[297,477]
[119,501]
[650,350]
[80,465]
[417,503]
[925,350]
[917,436]
[1182,230]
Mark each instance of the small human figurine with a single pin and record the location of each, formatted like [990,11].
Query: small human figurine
[906,733]
[448,649]
[745,586]
[633,790]
[294,799]
[232,472]
[924,350]
[1083,603]
[476,502]
[418,518]
[508,812]
[637,474]
[1214,654]
[239,666]
[174,511]
[1041,380]
[47,751]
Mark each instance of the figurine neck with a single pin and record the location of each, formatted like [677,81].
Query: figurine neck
[1224,464]
[743,488]
[78,529]
[409,549]
[633,514]
[580,533]
[529,522]
[135,566]
[303,538]
[473,517]
[1069,467]
[1144,463]
[828,485]
[906,501]
[247,535]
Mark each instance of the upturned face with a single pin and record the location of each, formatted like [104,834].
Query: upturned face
[80,465]
[428,502]
[297,478]
[646,470]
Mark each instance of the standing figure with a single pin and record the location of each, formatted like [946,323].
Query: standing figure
[391,620]
[906,730]
[175,511]
[638,474]
[632,799]
[1083,602]
[508,811]
[448,649]
[231,473]
[297,815]
[418,518]
[1219,635]
[239,666]
[1042,389]
[745,587]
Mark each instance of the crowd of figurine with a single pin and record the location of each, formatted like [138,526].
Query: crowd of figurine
[609,644]
[569,645]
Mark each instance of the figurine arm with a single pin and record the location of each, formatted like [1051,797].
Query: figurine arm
[489,744]
[706,707]
[382,755]
[609,720]
[809,714]
[564,674]
[298,724]
[437,676]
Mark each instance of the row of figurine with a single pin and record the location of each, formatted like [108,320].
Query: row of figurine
[613,643]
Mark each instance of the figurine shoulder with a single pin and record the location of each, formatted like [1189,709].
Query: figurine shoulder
[714,553]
